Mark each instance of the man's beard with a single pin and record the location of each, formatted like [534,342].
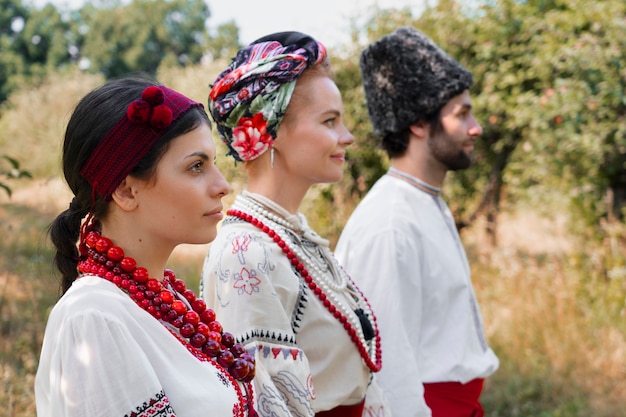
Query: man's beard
[446,151]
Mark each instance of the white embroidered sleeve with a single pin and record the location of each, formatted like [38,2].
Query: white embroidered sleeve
[255,293]
[91,365]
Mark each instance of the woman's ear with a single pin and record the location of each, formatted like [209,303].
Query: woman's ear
[124,196]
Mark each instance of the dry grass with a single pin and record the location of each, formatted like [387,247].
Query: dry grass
[33,121]
[27,289]
[546,306]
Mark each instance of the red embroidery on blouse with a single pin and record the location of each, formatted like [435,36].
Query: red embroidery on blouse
[240,243]
[246,282]
[159,406]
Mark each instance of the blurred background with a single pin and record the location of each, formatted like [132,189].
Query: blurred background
[541,212]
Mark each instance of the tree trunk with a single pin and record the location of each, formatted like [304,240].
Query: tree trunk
[490,202]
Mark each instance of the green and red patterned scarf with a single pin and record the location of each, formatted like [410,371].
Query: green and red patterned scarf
[248,100]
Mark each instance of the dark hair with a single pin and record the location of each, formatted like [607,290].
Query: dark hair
[93,117]
[396,143]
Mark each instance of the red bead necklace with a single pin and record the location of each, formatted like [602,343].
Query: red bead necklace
[374,366]
[170,301]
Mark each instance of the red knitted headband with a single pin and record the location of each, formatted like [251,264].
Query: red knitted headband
[146,120]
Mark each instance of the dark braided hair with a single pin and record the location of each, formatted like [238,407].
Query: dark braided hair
[94,116]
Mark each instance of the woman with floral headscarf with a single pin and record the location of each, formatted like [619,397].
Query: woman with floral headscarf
[272,279]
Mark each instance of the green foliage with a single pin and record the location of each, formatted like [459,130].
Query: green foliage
[33,42]
[517,393]
[12,172]
[549,87]
[171,31]
[549,92]
[366,161]
[110,37]
[42,41]
[225,43]
[12,16]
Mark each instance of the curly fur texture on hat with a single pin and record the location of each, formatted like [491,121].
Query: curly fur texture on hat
[406,77]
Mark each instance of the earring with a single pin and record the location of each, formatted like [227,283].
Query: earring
[272,157]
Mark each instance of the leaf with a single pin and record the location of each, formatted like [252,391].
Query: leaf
[6,189]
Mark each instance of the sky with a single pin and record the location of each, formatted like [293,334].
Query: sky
[326,20]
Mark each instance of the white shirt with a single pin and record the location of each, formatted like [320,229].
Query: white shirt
[402,249]
[103,355]
[306,362]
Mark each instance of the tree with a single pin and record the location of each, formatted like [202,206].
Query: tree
[12,18]
[225,43]
[43,40]
[140,36]
[32,41]
[549,91]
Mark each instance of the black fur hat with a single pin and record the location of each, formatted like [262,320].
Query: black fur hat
[406,77]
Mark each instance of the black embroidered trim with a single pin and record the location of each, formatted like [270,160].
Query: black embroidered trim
[265,336]
[301,305]
[159,406]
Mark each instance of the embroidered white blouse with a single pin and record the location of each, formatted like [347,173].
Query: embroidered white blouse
[306,361]
[403,250]
[103,355]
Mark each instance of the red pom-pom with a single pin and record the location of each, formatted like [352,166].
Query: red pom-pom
[161,117]
[153,95]
[138,111]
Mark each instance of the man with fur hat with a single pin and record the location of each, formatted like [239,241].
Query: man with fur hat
[401,244]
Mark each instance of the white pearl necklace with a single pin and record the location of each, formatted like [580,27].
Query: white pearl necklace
[256,207]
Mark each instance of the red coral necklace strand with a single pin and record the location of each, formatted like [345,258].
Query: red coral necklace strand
[293,258]
[171,302]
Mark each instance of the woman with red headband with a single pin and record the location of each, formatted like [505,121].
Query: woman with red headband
[127,338]
[274,281]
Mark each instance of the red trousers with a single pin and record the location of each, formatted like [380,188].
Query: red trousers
[355,410]
[453,399]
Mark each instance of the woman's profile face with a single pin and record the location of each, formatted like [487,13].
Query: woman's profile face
[182,202]
[311,141]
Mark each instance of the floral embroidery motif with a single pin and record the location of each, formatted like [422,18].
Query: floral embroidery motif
[246,282]
[240,245]
[250,137]
[155,407]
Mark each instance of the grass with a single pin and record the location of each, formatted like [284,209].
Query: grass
[555,319]
[27,290]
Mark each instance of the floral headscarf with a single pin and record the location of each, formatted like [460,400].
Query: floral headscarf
[248,100]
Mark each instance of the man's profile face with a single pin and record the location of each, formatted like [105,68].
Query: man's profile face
[451,141]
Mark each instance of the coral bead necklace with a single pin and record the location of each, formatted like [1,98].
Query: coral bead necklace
[371,357]
[187,317]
